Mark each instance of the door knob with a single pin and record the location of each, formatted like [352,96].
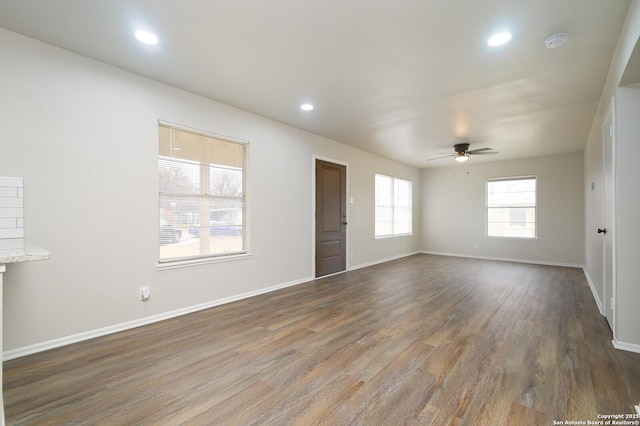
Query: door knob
[602,231]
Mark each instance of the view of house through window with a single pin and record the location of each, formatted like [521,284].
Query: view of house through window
[201,193]
[511,207]
[393,206]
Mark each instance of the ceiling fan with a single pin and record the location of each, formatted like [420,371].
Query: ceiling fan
[462,152]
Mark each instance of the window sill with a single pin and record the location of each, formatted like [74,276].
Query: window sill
[186,263]
[528,239]
[384,237]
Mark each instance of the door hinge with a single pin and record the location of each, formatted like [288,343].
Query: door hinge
[612,303]
[611,131]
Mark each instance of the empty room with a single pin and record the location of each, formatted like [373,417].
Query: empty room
[307,212]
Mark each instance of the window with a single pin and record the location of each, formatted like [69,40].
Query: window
[201,194]
[393,206]
[511,207]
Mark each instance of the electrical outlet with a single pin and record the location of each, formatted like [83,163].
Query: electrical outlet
[145,293]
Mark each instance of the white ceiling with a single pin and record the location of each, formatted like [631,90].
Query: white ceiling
[404,79]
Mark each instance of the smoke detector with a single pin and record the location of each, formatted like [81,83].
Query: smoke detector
[556,40]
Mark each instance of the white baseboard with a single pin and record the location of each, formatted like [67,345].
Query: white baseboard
[75,338]
[594,292]
[506,259]
[629,347]
[377,262]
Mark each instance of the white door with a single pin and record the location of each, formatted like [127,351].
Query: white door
[607,229]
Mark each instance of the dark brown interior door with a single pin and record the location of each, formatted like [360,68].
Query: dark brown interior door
[331,218]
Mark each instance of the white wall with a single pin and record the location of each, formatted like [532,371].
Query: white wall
[626,104]
[453,206]
[84,136]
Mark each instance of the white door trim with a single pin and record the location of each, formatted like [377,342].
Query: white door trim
[609,193]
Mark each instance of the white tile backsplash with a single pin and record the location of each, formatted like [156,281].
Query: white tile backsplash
[14,202]
[11,233]
[15,182]
[7,191]
[11,213]
[9,223]
[12,243]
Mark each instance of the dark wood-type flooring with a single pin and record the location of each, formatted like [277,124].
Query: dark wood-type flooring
[426,339]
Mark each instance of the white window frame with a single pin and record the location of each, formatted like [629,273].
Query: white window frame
[394,207]
[534,206]
[178,262]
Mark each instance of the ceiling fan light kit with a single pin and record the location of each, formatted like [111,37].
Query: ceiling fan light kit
[461,157]
[462,152]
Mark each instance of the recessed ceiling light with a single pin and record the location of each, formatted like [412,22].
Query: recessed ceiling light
[306,107]
[146,37]
[499,39]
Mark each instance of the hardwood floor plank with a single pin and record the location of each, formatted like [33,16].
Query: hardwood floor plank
[400,390]
[243,401]
[521,415]
[538,392]
[424,340]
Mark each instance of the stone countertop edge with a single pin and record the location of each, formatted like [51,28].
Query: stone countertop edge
[29,253]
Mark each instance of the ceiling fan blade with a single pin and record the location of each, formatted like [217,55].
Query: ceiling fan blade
[483,152]
[475,151]
[445,156]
